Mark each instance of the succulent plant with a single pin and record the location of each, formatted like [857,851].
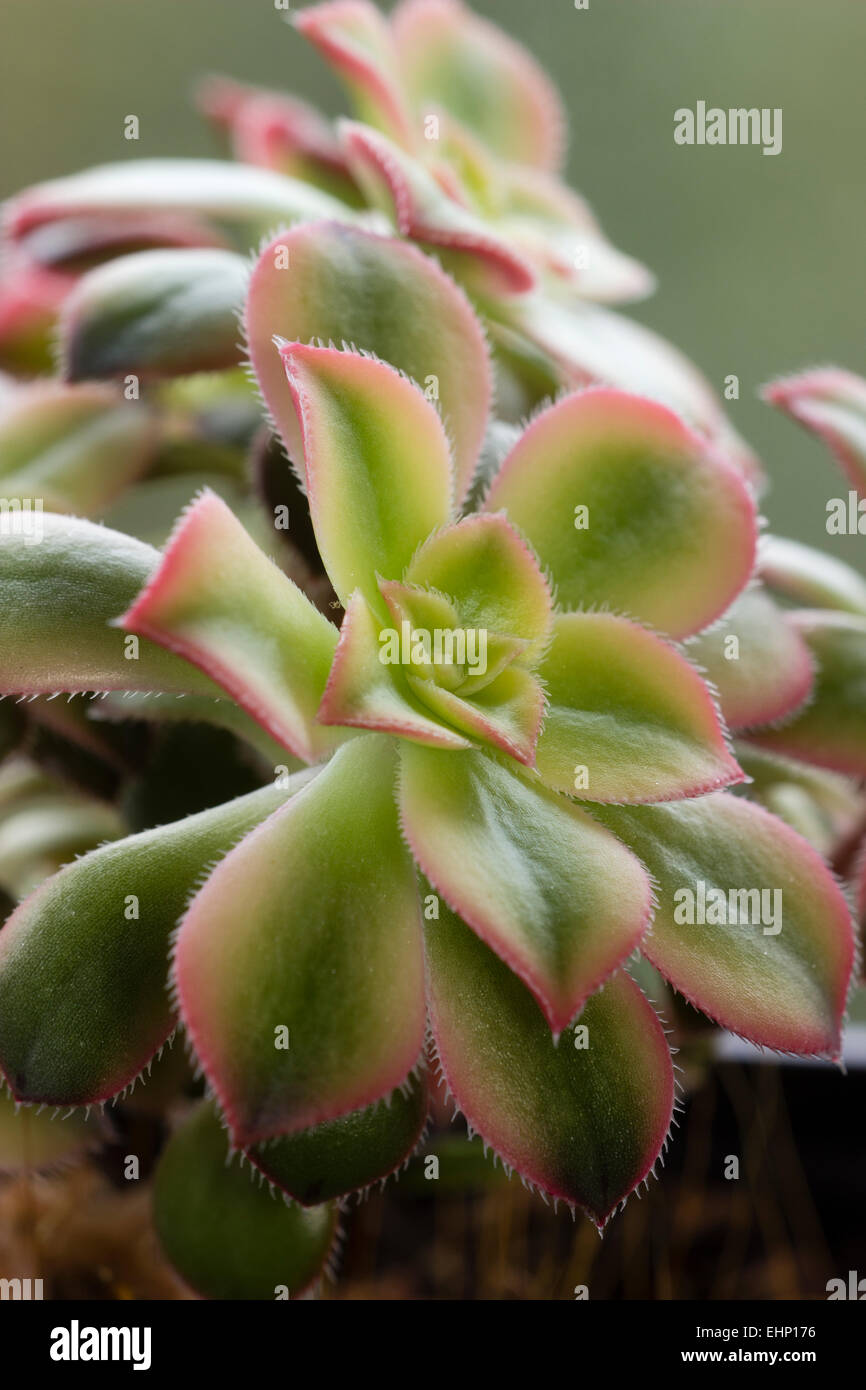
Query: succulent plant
[499,761]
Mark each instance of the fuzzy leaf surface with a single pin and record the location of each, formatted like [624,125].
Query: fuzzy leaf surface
[781,982]
[670,529]
[83,1000]
[583,1124]
[558,898]
[628,708]
[341,284]
[311,924]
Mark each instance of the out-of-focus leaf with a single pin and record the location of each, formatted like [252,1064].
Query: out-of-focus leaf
[59,592]
[757,661]
[71,448]
[832,404]
[810,577]
[158,313]
[222,1230]
[831,730]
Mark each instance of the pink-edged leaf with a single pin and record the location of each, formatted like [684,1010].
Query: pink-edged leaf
[561,900]
[832,404]
[72,448]
[420,207]
[585,1120]
[824,807]
[860,885]
[337,283]
[377,463]
[750,925]
[82,981]
[279,132]
[63,580]
[627,507]
[588,343]
[809,577]
[363,692]
[355,39]
[224,194]
[158,313]
[340,1156]
[756,660]
[628,718]
[453,58]
[559,233]
[220,603]
[491,576]
[299,964]
[30,297]
[221,1229]
[831,730]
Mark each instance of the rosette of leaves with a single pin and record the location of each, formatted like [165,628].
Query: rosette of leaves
[480,852]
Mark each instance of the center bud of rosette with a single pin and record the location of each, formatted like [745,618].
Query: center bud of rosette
[447,655]
[428,641]
[466,675]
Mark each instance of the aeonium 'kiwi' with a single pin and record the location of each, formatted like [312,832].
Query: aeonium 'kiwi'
[477,851]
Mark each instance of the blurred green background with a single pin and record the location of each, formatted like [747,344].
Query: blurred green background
[760,260]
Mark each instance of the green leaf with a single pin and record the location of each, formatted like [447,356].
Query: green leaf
[72,448]
[222,1230]
[585,1120]
[158,313]
[58,595]
[356,40]
[377,463]
[629,509]
[831,730]
[809,577]
[589,343]
[35,1142]
[230,194]
[343,1155]
[298,964]
[628,719]
[218,601]
[756,660]
[332,282]
[561,900]
[84,960]
[453,58]
[775,966]
[418,207]
[823,806]
[832,404]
